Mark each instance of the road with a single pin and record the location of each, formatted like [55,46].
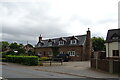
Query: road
[68,71]
[19,71]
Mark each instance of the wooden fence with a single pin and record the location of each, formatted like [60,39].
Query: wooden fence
[112,66]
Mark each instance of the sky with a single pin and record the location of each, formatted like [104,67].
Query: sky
[25,20]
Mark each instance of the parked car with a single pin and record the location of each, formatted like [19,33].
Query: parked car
[64,57]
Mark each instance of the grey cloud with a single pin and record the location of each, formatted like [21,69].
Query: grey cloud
[28,26]
[82,20]
[108,20]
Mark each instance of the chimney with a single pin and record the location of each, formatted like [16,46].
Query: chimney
[40,38]
[88,33]
[88,43]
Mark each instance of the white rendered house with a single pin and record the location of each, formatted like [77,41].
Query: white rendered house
[113,43]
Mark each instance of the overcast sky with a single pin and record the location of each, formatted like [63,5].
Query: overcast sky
[23,21]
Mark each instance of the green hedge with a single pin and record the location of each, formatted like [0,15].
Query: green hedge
[44,58]
[27,60]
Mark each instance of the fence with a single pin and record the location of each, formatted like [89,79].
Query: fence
[112,66]
[53,61]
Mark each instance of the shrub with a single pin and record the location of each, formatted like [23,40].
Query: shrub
[44,58]
[3,54]
[27,60]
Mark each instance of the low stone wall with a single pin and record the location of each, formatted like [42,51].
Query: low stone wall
[112,66]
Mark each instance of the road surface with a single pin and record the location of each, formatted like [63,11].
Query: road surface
[70,71]
[20,71]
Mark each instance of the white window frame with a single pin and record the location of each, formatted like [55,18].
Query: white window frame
[49,43]
[61,52]
[115,38]
[73,41]
[39,45]
[61,42]
[71,53]
[50,53]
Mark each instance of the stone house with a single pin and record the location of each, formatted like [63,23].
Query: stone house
[78,47]
[113,44]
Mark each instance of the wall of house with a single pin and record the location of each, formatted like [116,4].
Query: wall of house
[43,51]
[78,52]
[110,47]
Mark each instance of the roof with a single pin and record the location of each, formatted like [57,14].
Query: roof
[113,33]
[80,41]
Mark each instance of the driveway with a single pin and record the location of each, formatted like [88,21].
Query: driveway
[76,68]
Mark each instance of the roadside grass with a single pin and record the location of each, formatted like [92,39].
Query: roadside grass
[118,74]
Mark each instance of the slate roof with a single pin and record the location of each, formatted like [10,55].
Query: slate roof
[113,33]
[80,41]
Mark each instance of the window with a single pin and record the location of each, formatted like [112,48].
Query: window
[61,52]
[50,44]
[73,41]
[39,45]
[115,38]
[61,42]
[115,52]
[71,53]
[50,53]
[39,53]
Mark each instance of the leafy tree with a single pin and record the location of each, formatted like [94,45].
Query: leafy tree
[4,45]
[21,45]
[21,51]
[98,43]
[55,51]
[30,52]
[14,46]
[11,53]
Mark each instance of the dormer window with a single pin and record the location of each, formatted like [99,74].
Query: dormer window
[61,42]
[73,40]
[40,44]
[115,38]
[50,42]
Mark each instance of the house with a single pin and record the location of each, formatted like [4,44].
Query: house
[78,47]
[113,44]
[28,47]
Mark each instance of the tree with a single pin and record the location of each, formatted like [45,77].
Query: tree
[4,45]
[55,51]
[14,46]
[30,52]
[21,51]
[98,43]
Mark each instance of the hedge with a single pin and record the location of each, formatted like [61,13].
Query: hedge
[44,58]
[27,60]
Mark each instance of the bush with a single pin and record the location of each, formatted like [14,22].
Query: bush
[27,60]
[3,54]
[44,58]
[4,60]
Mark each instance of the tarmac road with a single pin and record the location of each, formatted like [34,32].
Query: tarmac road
[20,71]
[65,72]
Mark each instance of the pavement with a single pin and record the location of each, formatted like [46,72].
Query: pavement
[81,69]
[68,69]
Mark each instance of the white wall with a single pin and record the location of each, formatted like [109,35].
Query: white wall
[112,46]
